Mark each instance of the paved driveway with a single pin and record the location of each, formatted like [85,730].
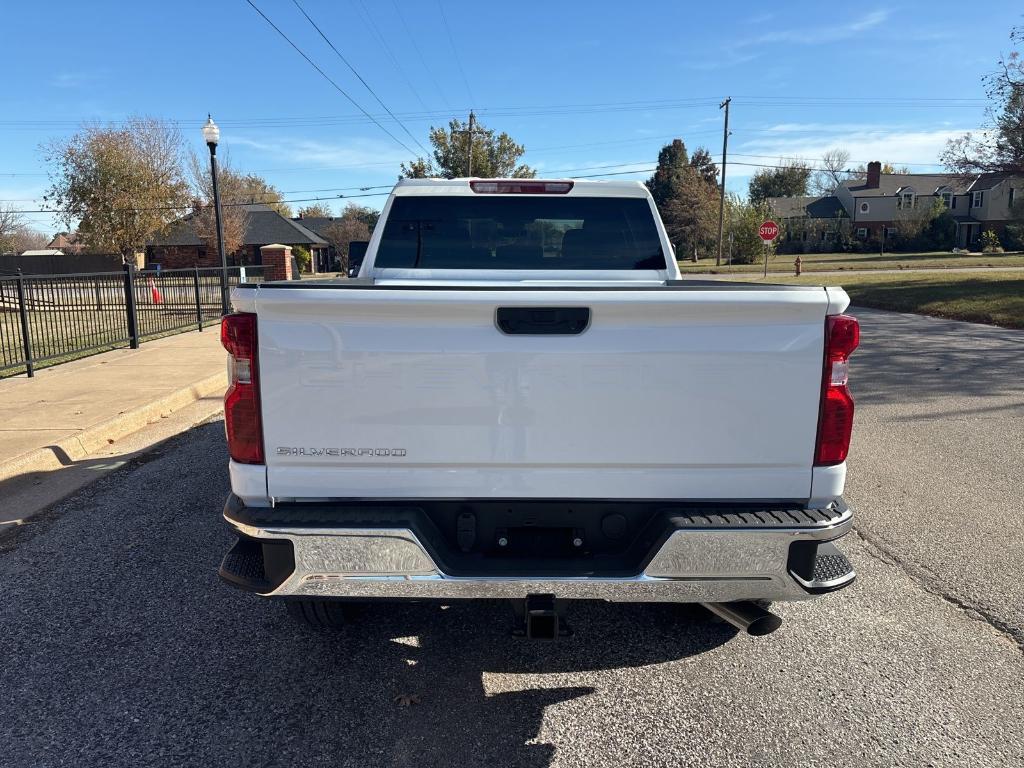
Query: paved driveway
[120,647]
[937,465]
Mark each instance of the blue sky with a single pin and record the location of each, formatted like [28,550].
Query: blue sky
[588,87]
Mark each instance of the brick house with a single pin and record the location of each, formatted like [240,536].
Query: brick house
[180,246]
[66,242]
[875,204]
[810,223]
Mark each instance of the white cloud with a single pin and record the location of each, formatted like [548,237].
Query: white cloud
[73,79]
[310,153]
[918,149]
[819,35]
[747,49]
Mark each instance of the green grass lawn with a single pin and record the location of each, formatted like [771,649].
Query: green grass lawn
[984,296]
[819,262]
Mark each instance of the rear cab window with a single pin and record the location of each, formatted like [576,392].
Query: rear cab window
[520,233]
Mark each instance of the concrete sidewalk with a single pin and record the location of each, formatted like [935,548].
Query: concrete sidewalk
[71,412]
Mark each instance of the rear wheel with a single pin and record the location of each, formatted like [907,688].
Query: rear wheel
[320,614]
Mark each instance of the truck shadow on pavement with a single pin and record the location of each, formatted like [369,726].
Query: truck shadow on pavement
[910,359]
[121,646]
[478,699]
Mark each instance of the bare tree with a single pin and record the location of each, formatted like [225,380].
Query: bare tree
[233,213]
[341,232]
[11,225]
[1000,144]
[834,171]
[29,239]
[122,184]
[15,234]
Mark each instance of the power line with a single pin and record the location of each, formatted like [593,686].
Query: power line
[365,12]
[356,73]
[458,60]
[419,54]
[223,205]
[337,87]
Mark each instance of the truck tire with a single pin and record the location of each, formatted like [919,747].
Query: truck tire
[320,614]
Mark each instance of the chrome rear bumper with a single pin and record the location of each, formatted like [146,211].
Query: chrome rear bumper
[701,563]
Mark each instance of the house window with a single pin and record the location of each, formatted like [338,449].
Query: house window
[977,198]
[1013,194]
[864,207]
[906,201]
[890,231]
[947,199]
[953,206]
[862,232]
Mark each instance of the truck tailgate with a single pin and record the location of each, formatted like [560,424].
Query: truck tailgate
[414,392]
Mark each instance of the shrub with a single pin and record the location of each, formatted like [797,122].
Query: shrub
[990,242]
[302,258]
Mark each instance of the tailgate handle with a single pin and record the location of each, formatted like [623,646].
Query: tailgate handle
[536,321]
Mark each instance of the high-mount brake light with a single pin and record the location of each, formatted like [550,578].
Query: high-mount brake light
[242,400]
[835,421]
[516,187]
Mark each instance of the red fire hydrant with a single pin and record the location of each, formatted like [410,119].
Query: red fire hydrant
[797,264]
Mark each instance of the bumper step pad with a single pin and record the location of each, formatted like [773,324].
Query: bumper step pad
[829,570]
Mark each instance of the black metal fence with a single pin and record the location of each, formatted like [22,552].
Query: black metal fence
[49,319]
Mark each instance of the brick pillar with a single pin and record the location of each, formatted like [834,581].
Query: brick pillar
[277,262]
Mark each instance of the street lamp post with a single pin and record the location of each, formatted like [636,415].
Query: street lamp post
[211,133]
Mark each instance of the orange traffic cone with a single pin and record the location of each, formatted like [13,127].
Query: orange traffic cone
[157,298]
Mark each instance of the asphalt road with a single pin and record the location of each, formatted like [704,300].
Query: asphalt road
[119,646]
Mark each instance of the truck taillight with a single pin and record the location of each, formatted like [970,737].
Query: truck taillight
[242,400]
[835,420]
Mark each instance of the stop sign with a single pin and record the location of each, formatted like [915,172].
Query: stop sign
[768,231]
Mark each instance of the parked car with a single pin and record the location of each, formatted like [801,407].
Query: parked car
[519,398]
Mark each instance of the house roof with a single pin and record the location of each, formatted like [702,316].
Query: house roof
[823,207]
[43,252]
[989,181]
[317,224]
[921,183]
[263,225]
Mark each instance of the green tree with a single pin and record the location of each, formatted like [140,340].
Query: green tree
[315,211]
[743,220]
[685,190]
[673,167]
[691,218]
[789,179]
[705,166]
[1000,146]
[1014,234]
[495,155]
[122,184]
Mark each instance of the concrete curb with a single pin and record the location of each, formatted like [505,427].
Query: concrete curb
[81,445]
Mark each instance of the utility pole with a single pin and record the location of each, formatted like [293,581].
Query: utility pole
[472,127]
[721,205]
[469,141]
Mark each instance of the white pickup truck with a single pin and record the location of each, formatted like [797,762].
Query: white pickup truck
[519,398]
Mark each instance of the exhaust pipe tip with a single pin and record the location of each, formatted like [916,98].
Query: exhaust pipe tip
[764,625]
[747,617]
